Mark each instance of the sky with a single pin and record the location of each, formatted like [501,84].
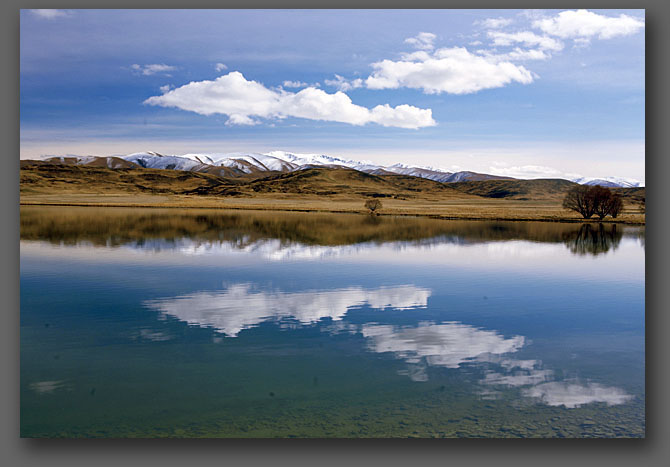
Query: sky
[522,93]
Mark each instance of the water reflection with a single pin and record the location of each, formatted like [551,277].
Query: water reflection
[427,344]
[501,315]
[573,395]
[452,345]
[446,344]
[47,387]
[240,306]
[594,239]
[281,236]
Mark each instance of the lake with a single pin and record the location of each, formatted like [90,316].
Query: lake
[213,323]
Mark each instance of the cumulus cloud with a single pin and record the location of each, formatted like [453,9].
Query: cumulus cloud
[343,84]
[220,66]
[517,54]
[422,41]
[451,70]
[50,14]
[152,69]
[165,88]
[494,23]
[586,24]
[526,38]
[294,84]
[243,101]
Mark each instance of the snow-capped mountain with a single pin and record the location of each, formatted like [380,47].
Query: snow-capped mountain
[281,161]
[611,182]
[240,163]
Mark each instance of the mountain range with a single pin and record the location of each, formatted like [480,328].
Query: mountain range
[234,165]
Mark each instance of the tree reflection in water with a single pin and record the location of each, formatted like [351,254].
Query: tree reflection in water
[172,228]
[593,239]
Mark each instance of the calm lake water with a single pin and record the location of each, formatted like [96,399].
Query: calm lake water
[176,323]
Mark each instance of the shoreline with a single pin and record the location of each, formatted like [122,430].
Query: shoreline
[571,220]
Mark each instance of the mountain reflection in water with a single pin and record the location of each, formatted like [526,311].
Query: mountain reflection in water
[294,235]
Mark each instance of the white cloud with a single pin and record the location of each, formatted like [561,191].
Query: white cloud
[530,172]
[581,42]
[422,41]
[586,24]
[220,67]
[494,23]
[294,84]
[242,100]
[343,84]
[574,395]
[451,70]
[517,54]
[50,14]
[165,88]
[526,38]
[240,307]
[152,69]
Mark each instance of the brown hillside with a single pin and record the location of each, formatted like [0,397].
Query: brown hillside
[44,176]
[330,181]
[49,177]
[541,189]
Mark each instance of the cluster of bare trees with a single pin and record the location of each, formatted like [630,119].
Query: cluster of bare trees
[590,200]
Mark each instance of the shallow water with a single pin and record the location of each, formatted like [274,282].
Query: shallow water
[155,323]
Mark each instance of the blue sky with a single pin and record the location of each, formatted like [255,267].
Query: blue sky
[521,93]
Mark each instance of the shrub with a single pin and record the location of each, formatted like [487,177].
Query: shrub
[373,205]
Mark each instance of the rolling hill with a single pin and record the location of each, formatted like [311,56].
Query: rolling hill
[245,165]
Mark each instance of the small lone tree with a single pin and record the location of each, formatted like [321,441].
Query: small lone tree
[580,199]
[373,205]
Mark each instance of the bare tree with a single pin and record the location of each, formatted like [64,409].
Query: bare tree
[589,200]
[602,198]
[373,205]
[614,205]
[580,199]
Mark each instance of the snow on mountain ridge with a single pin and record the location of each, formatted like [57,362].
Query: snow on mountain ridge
[609,181]
[282,161]
[320,159]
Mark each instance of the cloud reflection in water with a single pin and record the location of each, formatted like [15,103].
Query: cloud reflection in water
[241,307]
[573,395]
[428,344]
[447,344]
